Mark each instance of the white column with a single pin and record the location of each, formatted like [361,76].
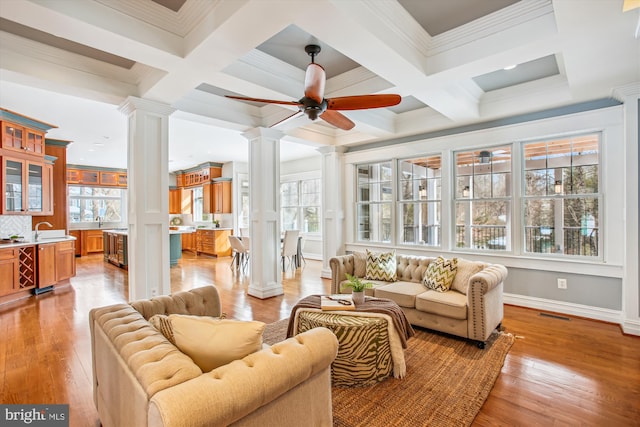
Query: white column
[264,217]
[332,205]
[148,197]
[630,272]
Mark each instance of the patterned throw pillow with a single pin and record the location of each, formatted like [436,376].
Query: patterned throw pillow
[440,274]
[381,266]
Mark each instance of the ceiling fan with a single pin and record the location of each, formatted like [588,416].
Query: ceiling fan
[315,105]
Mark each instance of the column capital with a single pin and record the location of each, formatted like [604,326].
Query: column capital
[133,103]
[261,132]
[328,149]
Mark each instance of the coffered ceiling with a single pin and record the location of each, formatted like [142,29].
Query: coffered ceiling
[71,63]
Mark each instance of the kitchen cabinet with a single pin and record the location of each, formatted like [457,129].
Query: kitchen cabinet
[216,197]
[180,201]
[213,242]
[115,248]
[78,244]
[122,179]
[17,269]
[188,242]
[96,177]
[28,186]
[56,262]
[108,178]
[92,242]
[22,139]
[46,265]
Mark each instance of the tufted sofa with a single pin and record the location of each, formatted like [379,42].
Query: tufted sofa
[141,379]
[471,309]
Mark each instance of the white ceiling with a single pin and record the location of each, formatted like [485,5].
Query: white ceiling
[445,58]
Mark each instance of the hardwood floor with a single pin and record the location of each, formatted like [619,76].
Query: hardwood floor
[560,371]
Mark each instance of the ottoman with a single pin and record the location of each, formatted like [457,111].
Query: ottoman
[364,352]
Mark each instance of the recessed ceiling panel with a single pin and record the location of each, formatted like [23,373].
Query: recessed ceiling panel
[288,46]
[439,16]
[529,71]
[64,44]
[174,5]
[409,103]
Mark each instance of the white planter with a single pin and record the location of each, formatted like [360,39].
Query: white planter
[358,297]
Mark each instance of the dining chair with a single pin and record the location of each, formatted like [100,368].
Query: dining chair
[240,253]
[290,248]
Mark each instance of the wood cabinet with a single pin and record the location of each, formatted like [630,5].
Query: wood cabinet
[92,242]
[216,197]
[16,137]
[115,248]
[65,260]
[78,243]
[188,242]
[17,269]
[46,265]
[213,242]
[180,201]
[56,262]
[198,175]
[28,186]
[96,177]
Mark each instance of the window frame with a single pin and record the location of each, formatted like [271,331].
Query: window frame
[81,197]
[299,207]
[378,205]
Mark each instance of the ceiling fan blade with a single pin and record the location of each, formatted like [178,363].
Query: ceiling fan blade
[266,101]
[337,119]
[314,81]
[363,102]
[286,119]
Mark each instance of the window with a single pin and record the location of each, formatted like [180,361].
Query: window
[198,204]
[420,200]
[561,196]
[300,205]
[374,202]
[483,198]
[91,204]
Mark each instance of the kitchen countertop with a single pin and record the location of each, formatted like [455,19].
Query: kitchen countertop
[40,241]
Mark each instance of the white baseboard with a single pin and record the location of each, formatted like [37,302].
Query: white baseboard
[589,312]
[631,327]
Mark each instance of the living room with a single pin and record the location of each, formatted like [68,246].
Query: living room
[589,270]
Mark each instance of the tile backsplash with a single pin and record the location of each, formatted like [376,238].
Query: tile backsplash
[15,224]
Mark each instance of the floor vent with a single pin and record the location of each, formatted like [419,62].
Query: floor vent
[555,316]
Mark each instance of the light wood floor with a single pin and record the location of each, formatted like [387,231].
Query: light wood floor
[558,373]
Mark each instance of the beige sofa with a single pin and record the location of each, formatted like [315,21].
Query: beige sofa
[471,309]
[141,379]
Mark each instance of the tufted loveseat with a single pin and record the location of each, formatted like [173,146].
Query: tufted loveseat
[141,379]
[471,309]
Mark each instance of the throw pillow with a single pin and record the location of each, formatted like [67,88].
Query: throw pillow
[466,269]
[381,266]
[440,273]
[359,264]
[211,342]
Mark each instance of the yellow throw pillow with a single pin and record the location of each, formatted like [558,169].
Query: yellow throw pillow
[212,342]
[381,266]
[440,273]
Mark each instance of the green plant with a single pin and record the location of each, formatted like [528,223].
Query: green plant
[356,284]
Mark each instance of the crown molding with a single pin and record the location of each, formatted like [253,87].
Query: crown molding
[621,93]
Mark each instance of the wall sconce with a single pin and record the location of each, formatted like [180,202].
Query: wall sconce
[466,191]
[484,156]
[557,188]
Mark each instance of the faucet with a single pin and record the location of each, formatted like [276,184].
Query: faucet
[99,219]
[38,225]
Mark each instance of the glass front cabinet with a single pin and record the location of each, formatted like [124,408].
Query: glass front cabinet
[27,187]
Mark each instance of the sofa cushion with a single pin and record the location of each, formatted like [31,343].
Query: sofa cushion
[211,342]
[381,266]
[411,268]
[466,269]
[440,274]
[359,264]
[403,293]
[447,304]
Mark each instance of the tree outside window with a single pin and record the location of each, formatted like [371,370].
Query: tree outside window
[561,196]
[420,200]
[93,204]
[300,205]
[483,198]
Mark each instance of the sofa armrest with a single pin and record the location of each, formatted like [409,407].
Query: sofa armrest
[233,391]
[340,266]
[485,305]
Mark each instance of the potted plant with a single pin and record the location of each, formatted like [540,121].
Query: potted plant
[216,223]
[357,288]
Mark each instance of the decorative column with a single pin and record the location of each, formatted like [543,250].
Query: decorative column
[332,205]
[264,217]
[148,197]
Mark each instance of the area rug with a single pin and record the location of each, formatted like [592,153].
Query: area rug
[448,379]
